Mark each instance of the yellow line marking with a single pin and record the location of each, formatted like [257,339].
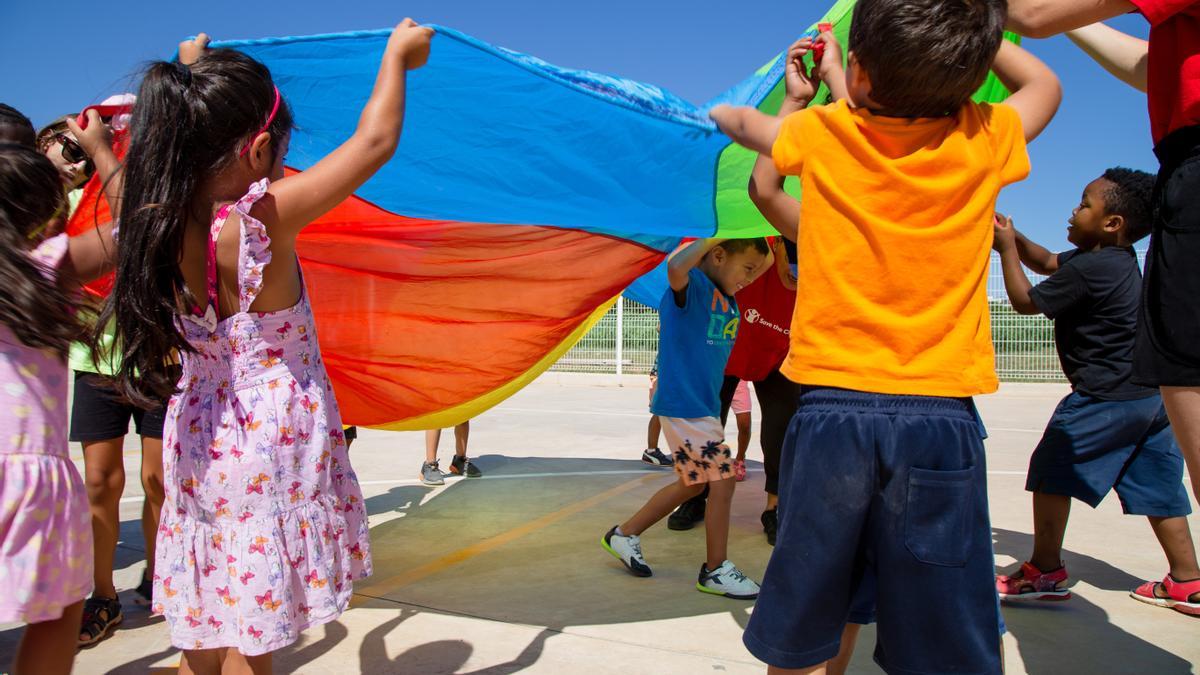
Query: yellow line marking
[391,584]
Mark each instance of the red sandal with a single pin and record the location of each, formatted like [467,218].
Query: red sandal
[1179,595]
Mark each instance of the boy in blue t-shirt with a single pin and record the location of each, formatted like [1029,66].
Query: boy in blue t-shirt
[1109,433]
[699,321]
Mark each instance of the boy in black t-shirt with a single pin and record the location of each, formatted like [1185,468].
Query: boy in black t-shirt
[1108,433]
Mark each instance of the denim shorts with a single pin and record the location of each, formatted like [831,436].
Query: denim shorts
[890,491]
[1092,446]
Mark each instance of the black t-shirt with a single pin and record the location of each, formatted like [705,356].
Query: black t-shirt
[1093,299]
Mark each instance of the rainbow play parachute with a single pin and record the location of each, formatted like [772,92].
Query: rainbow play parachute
[522,200]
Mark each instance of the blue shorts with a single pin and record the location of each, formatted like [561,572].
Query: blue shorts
[1092,446]
[889,490]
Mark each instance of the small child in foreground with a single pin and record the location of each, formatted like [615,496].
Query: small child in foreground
[699,325]
[1108,433]
[883,474]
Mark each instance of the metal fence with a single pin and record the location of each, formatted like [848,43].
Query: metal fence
[1024,344]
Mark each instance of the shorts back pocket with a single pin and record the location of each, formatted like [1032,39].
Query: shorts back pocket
[939,514]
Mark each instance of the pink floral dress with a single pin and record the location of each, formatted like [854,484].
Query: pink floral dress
[45,525]
[264,528]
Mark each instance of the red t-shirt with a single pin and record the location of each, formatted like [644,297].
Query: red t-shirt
[762,340]
[1174,68]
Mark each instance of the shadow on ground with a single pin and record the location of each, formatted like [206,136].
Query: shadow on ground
[1076,636]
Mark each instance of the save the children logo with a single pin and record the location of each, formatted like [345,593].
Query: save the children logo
[753,317]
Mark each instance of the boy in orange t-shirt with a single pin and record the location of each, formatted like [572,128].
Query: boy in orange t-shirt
[882,478]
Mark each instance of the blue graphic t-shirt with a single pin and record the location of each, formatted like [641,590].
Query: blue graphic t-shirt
[693,347]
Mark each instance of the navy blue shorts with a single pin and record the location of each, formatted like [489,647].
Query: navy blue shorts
[1092,446]
[889,490]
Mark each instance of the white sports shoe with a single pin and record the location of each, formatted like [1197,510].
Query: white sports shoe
[627,549]
[727,580]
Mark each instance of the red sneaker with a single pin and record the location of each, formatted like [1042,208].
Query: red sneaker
[1030,583]
[1179,595]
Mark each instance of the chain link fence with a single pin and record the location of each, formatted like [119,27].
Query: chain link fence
[1024,344]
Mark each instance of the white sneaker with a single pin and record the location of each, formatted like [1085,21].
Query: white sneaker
[627,549]
[726,580]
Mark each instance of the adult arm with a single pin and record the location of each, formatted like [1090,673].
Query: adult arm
[1122,55]
[1043,18]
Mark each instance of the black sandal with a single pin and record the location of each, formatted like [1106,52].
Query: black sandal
[100,615]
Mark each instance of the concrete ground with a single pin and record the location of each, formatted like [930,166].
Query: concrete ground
[505,574]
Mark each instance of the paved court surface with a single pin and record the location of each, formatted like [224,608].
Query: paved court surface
[505,574]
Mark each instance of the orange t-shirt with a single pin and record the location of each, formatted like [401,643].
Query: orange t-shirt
[894,246]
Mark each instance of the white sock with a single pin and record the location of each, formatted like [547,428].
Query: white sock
[619,533]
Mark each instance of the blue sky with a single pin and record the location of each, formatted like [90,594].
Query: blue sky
[60,60]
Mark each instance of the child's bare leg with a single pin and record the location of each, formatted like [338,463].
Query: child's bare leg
[716,521]
[432,438]
[1050,514]
[744,422]
[49,646]
[1176,540]
[660,506]
[772,501]
[104,477]
[839,663]
[152,485]
[1183,408]
[462,433]
[223,661]
[653,431]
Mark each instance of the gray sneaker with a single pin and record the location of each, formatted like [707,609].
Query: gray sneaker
[431,474]
[726,580]
[628,550]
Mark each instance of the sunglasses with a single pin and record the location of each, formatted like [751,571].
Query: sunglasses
[71,151]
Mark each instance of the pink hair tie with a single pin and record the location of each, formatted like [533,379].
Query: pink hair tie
[270,118]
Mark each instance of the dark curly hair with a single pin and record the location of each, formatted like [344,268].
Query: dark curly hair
[1131,197]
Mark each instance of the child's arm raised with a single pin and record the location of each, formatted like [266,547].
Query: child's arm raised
[302,198]
[683,260]
[92,254]
[747,127]
[1123,56]
[830,70]
[1015,282]
[1036,91]
[1034,256]
[1043,18]
[97,140]
[780,209]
